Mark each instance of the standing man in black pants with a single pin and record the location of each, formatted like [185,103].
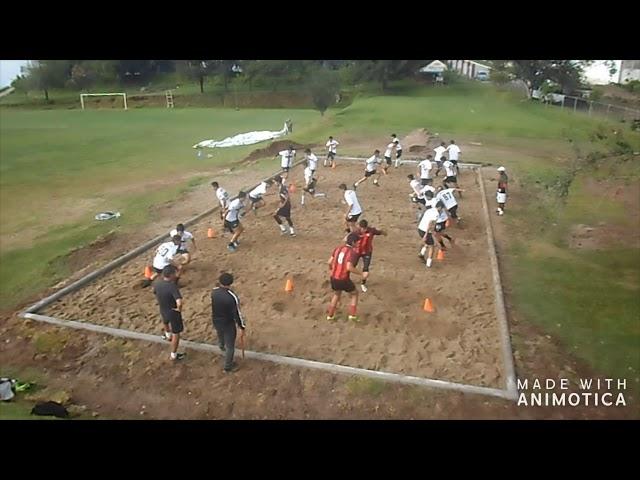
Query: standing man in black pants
[225,313]
[170,303]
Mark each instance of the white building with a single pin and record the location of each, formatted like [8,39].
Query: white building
[470,68]
[629,70]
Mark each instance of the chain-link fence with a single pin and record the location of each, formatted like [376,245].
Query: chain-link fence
[589,107]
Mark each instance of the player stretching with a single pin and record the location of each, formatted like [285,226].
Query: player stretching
[285,207]
[222,196]
[341,266]
[398,148]
[364,249]
[332,150]
[438,158]
[370,169]
[255,195]
[287,158]
[232,220]
[425,230]
[354,209]
[163,257]
[185,237]
[446,196]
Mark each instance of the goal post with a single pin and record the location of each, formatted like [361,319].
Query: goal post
[123,95]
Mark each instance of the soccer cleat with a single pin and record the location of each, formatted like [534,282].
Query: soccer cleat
[354,318]
[292,234]
[331,318]
[375,182]
[146,282]
[355,186]
[179,356]
[231,247]
[364,288]
[166,336]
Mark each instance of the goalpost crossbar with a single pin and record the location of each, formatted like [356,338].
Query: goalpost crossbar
[123,95]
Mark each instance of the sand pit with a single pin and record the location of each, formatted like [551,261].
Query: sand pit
[459,342]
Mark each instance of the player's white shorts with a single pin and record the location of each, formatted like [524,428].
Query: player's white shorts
[501,197]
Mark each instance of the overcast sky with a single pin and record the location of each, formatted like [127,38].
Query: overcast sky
[597,73]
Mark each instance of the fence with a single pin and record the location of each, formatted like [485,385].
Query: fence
[589,107]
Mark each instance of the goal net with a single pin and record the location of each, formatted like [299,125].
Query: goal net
[85,98]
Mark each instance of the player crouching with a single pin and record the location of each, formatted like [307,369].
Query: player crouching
[183,250]
[164,256]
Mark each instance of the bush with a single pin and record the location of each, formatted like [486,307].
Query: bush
[596,94]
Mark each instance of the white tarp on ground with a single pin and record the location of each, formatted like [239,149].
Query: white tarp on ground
[248,138]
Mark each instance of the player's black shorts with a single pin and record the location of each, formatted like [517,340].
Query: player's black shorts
[284,211]
[342,285]
[455,162]
[398,154]
[231,226]
[388,160]
[426,181]
[440,227]
[429,237]
[453,211]
[453,179]
[331,155]
[353,218]
[175,320]
[368,174]
[182,250]
[254,200]
[366,261]
[419,200]
[157,270]
[285,169]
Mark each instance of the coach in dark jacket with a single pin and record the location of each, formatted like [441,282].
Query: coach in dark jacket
[225,313]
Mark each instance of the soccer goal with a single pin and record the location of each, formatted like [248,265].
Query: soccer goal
[83,95]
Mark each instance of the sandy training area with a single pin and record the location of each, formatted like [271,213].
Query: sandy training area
[458,342]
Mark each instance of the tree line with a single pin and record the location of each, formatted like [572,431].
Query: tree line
[322,78]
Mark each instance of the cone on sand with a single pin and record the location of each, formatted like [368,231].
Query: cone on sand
[288,287]
[440,255]
[148,273]
[428,306]
[211,233]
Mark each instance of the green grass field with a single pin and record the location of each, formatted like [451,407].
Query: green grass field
[52,162]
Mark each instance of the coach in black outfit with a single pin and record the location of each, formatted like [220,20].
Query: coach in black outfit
[170,303]
[225,313]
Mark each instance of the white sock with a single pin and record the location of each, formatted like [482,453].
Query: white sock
[173,355]
[429,262]
[423,250]
[291,230]
[302,201]
[282,228]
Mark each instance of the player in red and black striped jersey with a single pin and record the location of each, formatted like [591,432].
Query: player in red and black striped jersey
[364,249]
[341,265]
[285,207]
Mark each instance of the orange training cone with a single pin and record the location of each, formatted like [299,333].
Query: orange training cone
[440,255]
[148,273]
[428,306]
[211,233]
[288,287]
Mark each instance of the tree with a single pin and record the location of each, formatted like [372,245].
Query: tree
[46,74]
[324,86]
[196,70]
[383,71]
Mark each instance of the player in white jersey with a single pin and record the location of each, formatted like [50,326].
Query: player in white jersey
[438,157]
[426,230]
[312,160]
[387,156]
[396,141]
[164,256]
[287,157]
[424,171]
[232,219]
[332,150]
[370,169]
[187,237]
[451,179]
[354,209]
[222,196]
[453,151]
[255,195]
[416,190]
[447,196]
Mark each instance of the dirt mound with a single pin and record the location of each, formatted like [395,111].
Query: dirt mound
[273,149]
[418,141]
